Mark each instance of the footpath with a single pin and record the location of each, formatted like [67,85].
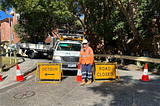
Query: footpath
[26,65]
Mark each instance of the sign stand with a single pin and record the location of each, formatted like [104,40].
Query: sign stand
[49,73]
[106,72]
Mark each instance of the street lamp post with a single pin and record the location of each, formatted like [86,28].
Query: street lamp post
[10,38]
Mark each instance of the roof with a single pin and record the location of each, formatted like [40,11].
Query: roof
[6,20]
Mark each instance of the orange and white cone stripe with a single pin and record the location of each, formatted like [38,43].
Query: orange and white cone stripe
[19,74]
[145,72]
[79,74]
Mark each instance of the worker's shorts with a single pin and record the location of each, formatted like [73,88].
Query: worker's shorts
[86,70]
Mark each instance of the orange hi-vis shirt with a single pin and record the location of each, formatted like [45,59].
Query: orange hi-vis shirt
[87,56]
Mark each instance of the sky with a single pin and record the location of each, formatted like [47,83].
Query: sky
[3,15]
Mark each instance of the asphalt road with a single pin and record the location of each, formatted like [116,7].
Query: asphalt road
[130,91]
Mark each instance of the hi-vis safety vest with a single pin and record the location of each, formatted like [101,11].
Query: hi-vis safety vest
[87,56]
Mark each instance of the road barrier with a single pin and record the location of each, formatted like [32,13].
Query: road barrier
[49,73]
[106,72]
[135,58]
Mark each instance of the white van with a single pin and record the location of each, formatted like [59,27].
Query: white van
[67,51]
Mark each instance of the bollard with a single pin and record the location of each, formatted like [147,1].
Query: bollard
[15,57]
[6,50]
[3,49]
[122,62]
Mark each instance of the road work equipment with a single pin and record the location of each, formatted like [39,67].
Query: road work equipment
[145,76]
[79,74]
[19,74]
[1,78]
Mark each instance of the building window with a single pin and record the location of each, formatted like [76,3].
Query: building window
[12,36]
[11,23]
[3,31]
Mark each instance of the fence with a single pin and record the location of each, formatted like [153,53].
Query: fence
[135,58]
[15,57]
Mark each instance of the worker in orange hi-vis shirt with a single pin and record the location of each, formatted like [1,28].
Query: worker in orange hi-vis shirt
[86,59]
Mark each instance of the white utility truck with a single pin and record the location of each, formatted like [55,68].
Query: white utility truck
[40,49]
[67,49]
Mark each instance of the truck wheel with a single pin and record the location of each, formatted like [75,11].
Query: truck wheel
[31,54]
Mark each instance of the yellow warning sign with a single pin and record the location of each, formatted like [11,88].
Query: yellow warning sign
[49,72]
[105,72]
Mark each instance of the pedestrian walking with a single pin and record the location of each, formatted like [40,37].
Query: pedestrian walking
[86,59]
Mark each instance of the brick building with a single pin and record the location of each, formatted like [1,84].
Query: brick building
[5,28]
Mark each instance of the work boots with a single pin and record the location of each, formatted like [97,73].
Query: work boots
[83,82]
[88,82]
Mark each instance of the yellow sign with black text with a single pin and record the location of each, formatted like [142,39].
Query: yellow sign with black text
[105,72]
[49,72]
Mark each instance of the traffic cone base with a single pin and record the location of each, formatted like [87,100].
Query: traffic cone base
[145,78]
[20,78]
[1,78]
[79,79]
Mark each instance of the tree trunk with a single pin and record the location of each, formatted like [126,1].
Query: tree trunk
[129,18]
[158,23]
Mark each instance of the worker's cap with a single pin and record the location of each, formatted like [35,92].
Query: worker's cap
[85,41]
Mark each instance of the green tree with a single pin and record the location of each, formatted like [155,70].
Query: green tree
[39,17]
[111,20]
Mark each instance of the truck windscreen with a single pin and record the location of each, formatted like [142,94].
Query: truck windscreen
[69,47]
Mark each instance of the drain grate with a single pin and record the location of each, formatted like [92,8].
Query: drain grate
[24,94]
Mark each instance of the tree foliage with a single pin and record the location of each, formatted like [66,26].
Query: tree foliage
[125,22]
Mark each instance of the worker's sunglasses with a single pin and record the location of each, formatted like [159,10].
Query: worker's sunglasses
[84,43]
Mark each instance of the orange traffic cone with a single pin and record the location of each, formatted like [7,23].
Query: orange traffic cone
[145,76]
[19,75]
[1,78]
[79,74]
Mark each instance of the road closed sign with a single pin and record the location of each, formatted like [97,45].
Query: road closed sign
[49,72]
[105,71]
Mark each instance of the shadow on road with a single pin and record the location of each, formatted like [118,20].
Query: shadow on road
[115,94]
[125,93]
[69,73]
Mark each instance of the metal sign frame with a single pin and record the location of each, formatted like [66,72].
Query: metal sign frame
[41,80]
[117,78]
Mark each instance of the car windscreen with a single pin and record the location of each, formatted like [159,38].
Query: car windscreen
[69,47]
